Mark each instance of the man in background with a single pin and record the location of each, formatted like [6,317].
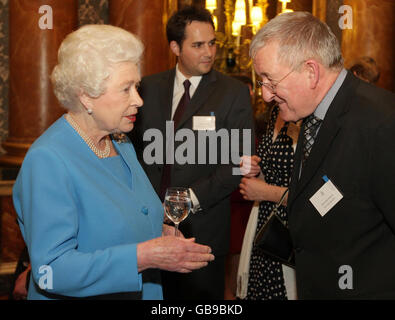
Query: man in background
[197,98]
[366,69]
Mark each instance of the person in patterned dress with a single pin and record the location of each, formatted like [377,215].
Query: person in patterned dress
[269,279]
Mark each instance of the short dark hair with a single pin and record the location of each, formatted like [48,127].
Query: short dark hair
[175,28]
[366,69]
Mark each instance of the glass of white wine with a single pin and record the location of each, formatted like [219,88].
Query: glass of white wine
[177,205]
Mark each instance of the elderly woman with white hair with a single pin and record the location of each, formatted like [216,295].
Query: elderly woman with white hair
[92,222]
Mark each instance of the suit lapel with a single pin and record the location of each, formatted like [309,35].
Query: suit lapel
[321,147]
[166,88]
[202,92]
[326,135]
[126,151]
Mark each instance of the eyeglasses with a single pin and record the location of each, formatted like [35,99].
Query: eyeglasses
[272,84]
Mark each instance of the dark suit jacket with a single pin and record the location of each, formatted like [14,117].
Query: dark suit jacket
[355,148]
[230,102]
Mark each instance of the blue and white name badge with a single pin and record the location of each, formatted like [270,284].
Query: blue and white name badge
[326,197]
[203,122]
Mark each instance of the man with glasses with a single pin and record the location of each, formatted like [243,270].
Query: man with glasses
[272,84]
[341,211]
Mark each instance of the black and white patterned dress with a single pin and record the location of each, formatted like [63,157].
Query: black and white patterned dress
[266,280]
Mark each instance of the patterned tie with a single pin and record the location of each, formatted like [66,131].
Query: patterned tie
[166,174]
[311,125]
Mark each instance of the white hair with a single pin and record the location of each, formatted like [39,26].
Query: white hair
[86,59]
[300,36]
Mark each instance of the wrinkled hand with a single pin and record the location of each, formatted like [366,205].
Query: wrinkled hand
[253,189]
[249,166]
[173,254]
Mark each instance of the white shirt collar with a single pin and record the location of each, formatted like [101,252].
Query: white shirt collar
[180,78]
[323,107]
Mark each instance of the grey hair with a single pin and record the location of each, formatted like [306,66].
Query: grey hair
[300,36]
[86,59]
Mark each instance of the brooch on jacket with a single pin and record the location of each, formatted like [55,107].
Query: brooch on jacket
[119,137]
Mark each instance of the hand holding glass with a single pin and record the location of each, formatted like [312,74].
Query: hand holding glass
[177,205]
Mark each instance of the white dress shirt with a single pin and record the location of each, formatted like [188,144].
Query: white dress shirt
[178,92]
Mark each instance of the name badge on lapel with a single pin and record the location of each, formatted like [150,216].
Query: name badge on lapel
[203,123]
[326,197]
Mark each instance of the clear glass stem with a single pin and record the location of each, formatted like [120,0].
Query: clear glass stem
[177,233]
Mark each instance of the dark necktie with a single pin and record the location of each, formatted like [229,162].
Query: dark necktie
[311,125]
[182,104]
[166,174]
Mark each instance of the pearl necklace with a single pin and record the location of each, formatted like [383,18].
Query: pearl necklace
[101,154]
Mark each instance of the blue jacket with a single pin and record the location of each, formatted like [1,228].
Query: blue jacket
[81,223]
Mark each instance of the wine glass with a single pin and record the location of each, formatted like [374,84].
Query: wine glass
[177,205]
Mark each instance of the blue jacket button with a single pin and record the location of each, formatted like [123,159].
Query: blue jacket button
[144,210]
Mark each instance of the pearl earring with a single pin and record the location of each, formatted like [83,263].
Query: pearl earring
[90,111]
